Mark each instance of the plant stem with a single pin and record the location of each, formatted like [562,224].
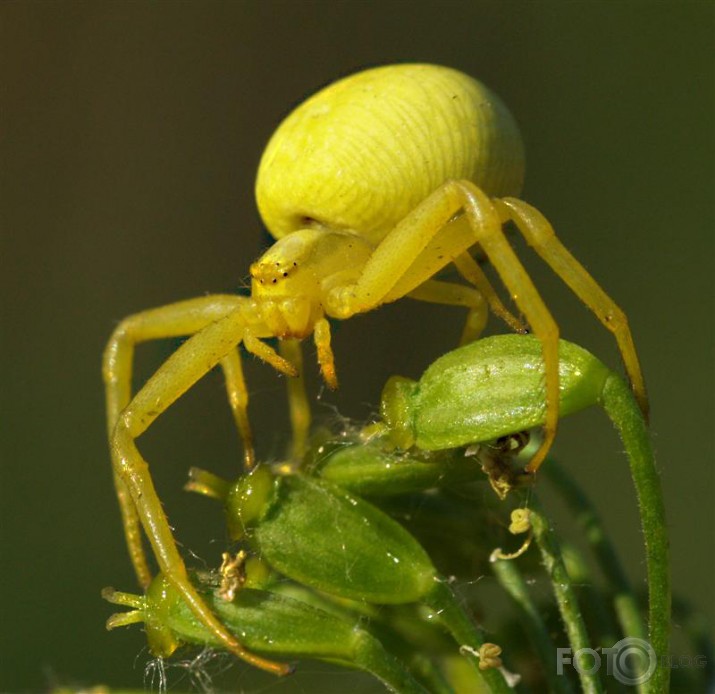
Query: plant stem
[512,581]
[624,599]
[565,597]
[442,600]
[625,414]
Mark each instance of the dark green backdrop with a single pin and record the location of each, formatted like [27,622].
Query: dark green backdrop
[130,134]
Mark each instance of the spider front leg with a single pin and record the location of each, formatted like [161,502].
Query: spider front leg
[175,320]
[198,355]
[429,238]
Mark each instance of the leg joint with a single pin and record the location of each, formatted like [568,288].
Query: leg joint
[614,318]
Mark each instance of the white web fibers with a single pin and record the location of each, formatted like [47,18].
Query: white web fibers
[197,672]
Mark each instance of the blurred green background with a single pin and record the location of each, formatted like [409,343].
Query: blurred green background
[130,135]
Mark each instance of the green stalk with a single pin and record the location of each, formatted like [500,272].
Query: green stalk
[621,407]
[596,607]
[624,600]
[565,596]
[442,600]
[372,657]
[510,578]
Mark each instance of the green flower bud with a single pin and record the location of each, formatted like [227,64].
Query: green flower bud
[325,537]
[488,389]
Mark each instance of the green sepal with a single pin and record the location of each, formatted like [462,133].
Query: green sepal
[247,501]
[159,602]
[394,408]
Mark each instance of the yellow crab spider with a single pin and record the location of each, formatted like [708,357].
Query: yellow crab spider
[371,186]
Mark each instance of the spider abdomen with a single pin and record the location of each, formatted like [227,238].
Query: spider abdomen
[366,150]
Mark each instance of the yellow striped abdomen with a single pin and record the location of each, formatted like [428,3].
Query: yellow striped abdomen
[363,152]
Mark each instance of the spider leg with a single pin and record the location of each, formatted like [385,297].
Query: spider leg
[299,407]
[196,357]
[321,337]
[437,292]
[402,254]
[487,225]
[470,270]
[298,404]
[269,355]
[541,236]
[238,400]
[174,320]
